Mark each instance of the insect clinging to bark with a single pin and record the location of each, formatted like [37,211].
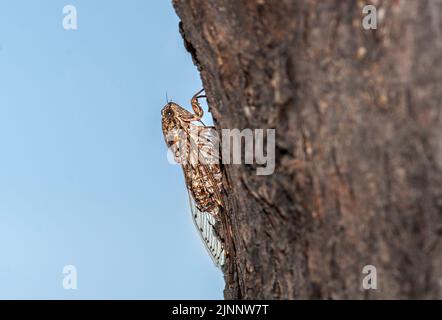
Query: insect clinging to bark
[196,148]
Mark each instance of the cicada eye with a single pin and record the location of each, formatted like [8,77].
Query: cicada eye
[168,112]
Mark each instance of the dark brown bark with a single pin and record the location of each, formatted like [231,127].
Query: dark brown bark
[357,113]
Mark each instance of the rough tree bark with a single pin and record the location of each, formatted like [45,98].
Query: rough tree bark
[357,113]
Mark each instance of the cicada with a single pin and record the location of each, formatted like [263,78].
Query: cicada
[195,147]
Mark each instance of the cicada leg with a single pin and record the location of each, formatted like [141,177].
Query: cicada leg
[196,105]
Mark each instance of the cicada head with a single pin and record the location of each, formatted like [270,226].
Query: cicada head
[174,112]
[174,119]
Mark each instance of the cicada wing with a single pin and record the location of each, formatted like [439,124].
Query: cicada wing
[205,223]
[204,160]
[206,141]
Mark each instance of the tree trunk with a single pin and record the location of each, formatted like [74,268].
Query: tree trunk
[358,178]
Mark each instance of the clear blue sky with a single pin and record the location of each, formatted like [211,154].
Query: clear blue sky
[84,178]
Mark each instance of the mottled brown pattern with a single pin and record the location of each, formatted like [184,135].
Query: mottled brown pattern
[196,149]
